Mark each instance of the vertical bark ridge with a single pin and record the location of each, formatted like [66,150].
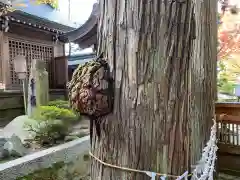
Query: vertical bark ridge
[203,75]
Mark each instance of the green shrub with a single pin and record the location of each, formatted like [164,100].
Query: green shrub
[63,104]
[50,173]
[48,132]
[52,124]
[53,112]
[60,103]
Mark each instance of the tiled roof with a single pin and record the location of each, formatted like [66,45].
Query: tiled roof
[37,22]
[44,11]
[40,16]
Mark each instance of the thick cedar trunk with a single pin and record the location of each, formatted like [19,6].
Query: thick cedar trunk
[163,60]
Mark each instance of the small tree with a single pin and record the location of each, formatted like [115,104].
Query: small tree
[229,37]
[229,45]
[229,42]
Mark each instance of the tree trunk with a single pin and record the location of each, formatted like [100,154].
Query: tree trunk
[162,55]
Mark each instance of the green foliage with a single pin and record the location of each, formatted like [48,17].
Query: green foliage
[15,5]
[52,124]
[226,86]
[49,132]
[63,104]
[219,16]
[50,173]
[221,66]
[53,3]
[76,169]
[60,104]
[53,113]
[223,81]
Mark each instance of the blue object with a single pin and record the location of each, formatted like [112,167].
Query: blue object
[163,178]
[237,90]
[151,174]
[182,176]
[33,96]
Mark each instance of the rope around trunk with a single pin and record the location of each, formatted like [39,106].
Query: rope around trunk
[128,169]
[204,169]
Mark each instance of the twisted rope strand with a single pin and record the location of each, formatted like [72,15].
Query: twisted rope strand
[204,169]
[128,169]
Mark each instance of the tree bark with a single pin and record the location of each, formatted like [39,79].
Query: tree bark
[162,55]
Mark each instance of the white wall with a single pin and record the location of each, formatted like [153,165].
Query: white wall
[80,9]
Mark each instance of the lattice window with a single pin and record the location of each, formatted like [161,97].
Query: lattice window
[30,51]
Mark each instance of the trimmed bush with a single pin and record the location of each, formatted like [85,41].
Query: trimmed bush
[63,104]
[53,113]
[52,124]
[60,104]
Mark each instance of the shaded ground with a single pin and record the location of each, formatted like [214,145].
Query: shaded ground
[3,123]
[223,176]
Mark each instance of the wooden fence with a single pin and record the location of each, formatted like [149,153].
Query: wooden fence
[229,129]
[228,121]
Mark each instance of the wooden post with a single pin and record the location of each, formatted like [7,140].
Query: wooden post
[5,62]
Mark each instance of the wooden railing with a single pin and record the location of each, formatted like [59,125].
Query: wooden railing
[228,120]
[228,129]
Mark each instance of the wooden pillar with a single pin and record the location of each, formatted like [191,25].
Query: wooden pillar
[60,72]
[58,69]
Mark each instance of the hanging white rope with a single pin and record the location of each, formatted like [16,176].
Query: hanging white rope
[205,168]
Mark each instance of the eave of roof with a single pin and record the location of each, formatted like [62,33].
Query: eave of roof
[81,56]
[37,22]
[75,60]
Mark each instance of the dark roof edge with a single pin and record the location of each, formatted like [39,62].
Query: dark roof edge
[50,5]
[39,18]
[84,55]
[83,30]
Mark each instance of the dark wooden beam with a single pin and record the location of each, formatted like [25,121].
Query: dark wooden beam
[31,32]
